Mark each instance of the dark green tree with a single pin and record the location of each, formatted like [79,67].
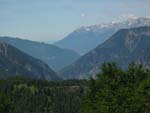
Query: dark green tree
[5,104]
[118,91]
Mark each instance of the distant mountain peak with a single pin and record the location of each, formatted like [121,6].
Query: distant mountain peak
[96,34]
[135,22]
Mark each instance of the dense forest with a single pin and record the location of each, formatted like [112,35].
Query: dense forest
[118,91]
[112,91]
[23,95]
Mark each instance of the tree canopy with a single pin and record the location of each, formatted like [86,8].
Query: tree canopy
[118,91]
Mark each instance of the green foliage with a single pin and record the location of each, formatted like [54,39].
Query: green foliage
[23,95]
[118,91]
[5,104]
[114,91]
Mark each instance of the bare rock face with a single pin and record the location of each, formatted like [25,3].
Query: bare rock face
[13,62]
[124,47]
[3,48]
[134,37]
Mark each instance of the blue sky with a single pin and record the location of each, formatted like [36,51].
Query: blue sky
[50,20]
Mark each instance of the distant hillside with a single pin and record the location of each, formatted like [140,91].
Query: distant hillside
[55,57]
[87,38]
[13,62]
[123,47]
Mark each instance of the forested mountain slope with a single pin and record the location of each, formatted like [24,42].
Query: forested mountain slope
[13,62]
[54,56]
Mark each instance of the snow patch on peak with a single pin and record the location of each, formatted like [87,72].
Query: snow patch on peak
[132,21]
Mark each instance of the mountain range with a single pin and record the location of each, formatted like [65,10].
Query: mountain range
[13,62]
[55,57]
[87,38]
[123,47]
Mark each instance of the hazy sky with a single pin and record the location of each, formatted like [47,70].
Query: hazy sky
[47,20]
